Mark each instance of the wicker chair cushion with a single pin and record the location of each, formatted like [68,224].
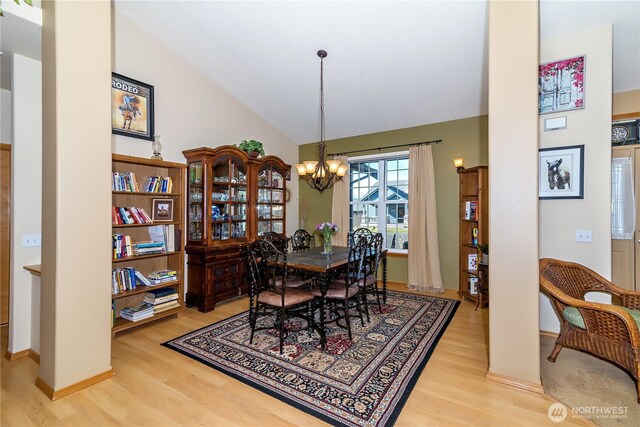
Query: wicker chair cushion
[291,298]
[573,316]
[335,290]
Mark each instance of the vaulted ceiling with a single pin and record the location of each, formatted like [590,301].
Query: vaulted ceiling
[391,64]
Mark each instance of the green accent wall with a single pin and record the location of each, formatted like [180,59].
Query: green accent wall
[467,138]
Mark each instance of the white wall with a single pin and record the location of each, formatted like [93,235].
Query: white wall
[26,191]
[6,120]
[191,110]
[591,126]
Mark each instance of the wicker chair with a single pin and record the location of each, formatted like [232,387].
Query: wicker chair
[606,331]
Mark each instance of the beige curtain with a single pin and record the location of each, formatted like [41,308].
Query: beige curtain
[340,207]
[424,258]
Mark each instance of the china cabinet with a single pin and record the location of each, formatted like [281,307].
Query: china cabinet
[233,199]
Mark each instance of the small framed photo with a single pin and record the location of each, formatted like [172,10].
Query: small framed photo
[162,210]
[561,172]
[131,108]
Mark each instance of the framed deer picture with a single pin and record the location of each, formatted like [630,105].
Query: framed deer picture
[561,172]
[131,107]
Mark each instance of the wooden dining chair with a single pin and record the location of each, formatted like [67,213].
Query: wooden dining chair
[279,241]
[272,290]
[302,241]
[368,282]
[354,236]
[344,292]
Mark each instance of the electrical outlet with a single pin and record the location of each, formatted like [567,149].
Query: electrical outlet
[29,240]
[584,236]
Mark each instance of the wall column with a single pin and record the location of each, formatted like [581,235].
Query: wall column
[25,195]
[76,227]
[513,197]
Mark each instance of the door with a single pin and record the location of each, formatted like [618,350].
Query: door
[5,230]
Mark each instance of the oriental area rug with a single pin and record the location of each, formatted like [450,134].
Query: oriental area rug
[364,382]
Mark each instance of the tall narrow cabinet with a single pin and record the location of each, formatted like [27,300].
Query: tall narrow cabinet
[234,199]
[474,228]
[136,194]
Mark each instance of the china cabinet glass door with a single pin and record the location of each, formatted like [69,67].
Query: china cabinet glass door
[271,199]
[195,201]
[228,216]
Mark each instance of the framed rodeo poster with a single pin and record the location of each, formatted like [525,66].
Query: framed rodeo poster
[131,107]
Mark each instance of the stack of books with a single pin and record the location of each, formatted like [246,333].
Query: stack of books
[163,276]
[137,312]
[162,299]
[148,248]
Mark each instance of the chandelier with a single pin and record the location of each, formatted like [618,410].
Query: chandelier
[321,174]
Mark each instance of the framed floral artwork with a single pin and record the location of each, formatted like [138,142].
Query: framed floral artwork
[561,85]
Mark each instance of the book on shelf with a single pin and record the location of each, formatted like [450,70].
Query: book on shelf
[165,306]
[136,317]
[472,262]
[162,274]
[158,184]
[129,215]
[161,296]
[141,277]
[474,236]
[124,181]
[471,210]
[122,247]
[473,285]
[148,248]
[137,312]
[126,279]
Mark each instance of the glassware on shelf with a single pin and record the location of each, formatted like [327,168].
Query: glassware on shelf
[195,173]
[195,196]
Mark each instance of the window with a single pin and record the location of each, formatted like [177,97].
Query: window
[379,197]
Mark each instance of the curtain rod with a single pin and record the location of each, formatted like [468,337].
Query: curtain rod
[435,141]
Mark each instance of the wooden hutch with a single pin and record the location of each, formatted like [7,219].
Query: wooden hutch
[233,199]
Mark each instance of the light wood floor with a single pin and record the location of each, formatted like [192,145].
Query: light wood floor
[156,386]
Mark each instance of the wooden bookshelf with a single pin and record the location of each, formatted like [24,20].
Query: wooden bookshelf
[146,264]
[474,187]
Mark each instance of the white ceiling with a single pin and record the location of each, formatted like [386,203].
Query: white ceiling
[391,64]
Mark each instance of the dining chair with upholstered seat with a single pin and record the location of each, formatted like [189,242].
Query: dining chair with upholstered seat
[368,281]
[279,241]
[302,241]
[344,293]
[354,236]
[274,291]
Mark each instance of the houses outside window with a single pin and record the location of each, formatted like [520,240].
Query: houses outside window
[379,197]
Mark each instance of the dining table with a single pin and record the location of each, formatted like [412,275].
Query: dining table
[322,266]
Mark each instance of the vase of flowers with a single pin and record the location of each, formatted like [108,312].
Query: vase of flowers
[327,230]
